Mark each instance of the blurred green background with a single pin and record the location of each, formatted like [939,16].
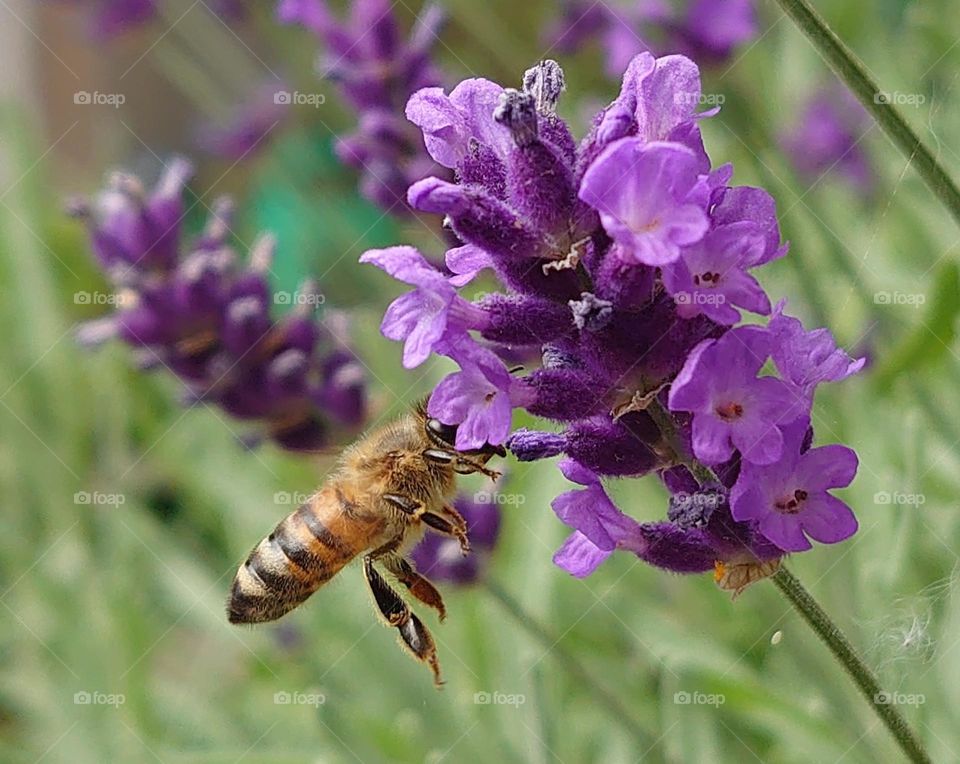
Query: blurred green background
[127,599]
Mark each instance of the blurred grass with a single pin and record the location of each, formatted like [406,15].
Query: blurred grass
[128,599]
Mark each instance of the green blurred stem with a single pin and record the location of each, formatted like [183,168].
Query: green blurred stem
[567,660]
[851,70]
[841,648]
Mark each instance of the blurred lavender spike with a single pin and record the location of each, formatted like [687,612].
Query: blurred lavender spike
[197,310]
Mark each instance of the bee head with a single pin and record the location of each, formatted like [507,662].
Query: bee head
[445,436]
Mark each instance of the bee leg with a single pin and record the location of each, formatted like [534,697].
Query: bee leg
[439,456]
[413,634]
[463,465]
[417,511]
[416,584]
[443,525]
[404,504]
[455,516]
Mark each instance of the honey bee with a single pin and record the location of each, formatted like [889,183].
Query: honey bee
[388,488]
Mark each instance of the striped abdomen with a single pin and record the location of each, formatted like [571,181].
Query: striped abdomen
[304,551]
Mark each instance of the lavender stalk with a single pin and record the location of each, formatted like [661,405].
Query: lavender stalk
[851,70]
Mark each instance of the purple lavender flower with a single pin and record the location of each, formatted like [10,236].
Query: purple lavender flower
[624,258]
[430,315]
[480,398]
[826,137]
[805,359]
[791,497]
[460,127]
[441,558]
[711,277]
[733,408]
[198,312]
[376,72]
[600,528]
[641,190]
[705,30]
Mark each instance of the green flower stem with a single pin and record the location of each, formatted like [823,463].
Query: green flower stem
[568,661]
[851,70]
[841,648]
[671,435]
[808,607]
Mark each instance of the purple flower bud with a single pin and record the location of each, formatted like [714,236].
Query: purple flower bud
[343,390]
[530,445]
[608,447]
[545,82]
[567,394]
[517,112]
[132,229]
[523,320]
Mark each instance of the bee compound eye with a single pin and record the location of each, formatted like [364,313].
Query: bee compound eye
[445,432]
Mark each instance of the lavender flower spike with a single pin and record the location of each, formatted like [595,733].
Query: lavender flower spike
[376,72]
[196,310]
[627,259]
